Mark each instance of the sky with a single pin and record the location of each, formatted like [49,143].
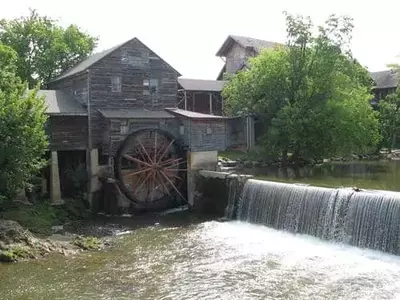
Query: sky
[188,33]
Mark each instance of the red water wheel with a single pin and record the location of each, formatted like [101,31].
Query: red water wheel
[151,168]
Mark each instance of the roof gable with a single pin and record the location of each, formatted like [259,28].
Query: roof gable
[385,79]
[246,42]
[91,60]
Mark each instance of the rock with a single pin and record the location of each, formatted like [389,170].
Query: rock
[57,228]
[11,232]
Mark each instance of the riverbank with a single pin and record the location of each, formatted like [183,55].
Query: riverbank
[231,160]
[39,230]
[34,230]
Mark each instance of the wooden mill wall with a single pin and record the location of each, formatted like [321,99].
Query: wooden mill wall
[124,78]
[119,129]
[206,135]
[67,132]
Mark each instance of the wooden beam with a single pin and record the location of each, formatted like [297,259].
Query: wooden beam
[193,100]
[184,95]
[210,98]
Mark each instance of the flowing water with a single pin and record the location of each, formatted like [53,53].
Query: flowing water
[209,260]
[303,249]
[368,219]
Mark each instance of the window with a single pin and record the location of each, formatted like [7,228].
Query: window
[150,86]
[116,84]
[153,85]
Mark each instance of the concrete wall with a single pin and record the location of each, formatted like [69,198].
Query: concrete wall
[218,193]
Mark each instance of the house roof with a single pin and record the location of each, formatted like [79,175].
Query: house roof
[385,79]
[135,114]
[244,41]
[193,115]
[201,84]
[60,103]
[91,60]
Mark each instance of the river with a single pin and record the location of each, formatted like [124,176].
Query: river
[380,175]
[208,260]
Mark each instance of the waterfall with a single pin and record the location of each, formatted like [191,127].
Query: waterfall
[367,219]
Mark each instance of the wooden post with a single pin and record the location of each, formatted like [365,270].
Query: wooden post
[55,190]
[184,95]
[193,100]
[211,110]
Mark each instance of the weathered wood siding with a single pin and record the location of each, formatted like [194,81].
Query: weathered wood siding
[119,129]
[206,135]
[76,87]
[67,132]
[235,58]
[137,68]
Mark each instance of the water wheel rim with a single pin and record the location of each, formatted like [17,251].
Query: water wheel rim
[153,162]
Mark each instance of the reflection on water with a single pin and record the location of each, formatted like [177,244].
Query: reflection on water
[210,260]
[382,175]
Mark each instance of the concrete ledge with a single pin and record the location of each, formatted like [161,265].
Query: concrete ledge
[223,175]
[214,174]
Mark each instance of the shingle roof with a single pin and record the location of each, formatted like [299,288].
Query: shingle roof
[192,114]
[135,114]
[256,44]
[385,79]
[60,103]
[201,85]
[88,62]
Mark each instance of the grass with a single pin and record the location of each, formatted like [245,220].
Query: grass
[40,217]
[87,243]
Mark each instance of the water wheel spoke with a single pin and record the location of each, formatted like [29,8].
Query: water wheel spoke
[137,172]
[145,180]
[166,189]
[172,175]
[145,151]
[136,183]
[174,165]
[171,161]
[134,159]
[153,185]
[172,184]
[165,151]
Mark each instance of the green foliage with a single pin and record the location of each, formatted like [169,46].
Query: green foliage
[39,218]
[312,95]
[15,253]
[87,243]
[390,119]
[44,48]
[22,137]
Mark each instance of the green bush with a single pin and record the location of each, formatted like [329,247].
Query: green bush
[22,136]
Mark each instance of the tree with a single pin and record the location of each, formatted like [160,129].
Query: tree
[44,48]
[22,137]
[313,97]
